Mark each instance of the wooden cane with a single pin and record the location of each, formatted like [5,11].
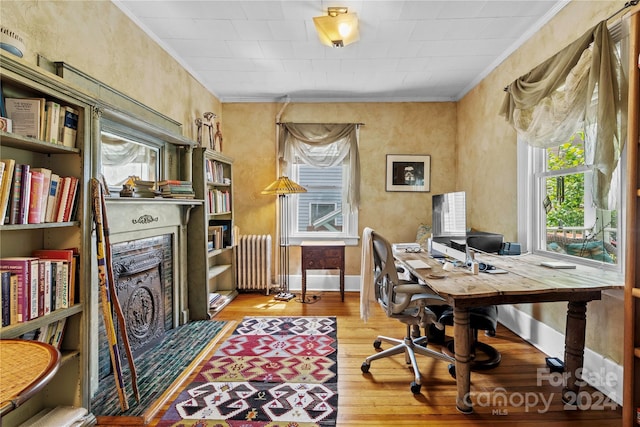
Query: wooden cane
[96,194]
[115,301]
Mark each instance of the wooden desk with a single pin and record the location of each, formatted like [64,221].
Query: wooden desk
[25,367]
[525,282]
[322,256]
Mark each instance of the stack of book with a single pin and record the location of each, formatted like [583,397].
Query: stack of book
[176,189]
[34,195]
[146,189]
[35,286]
[46,120]
[216,300]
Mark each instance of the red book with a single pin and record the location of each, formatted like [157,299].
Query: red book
[61,203]
[46,183]
[73,189]
[26,270]
[34,212]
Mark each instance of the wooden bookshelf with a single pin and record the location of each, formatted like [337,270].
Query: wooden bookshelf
[212,269]
[68,386]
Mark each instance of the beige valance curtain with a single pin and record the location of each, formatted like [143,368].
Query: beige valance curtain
[323,145]
[581,87]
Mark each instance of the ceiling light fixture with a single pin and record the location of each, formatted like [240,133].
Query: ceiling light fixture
[337,29]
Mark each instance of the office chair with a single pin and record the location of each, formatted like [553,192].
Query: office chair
[406,302]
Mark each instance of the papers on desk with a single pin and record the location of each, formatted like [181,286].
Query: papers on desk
[557,264]
[417,263]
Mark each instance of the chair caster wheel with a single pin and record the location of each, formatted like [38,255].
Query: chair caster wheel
[452,370]
[415,388]
[365,367]
[377,344]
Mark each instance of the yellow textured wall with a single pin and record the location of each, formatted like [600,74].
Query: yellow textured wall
[484,138]
[389,128]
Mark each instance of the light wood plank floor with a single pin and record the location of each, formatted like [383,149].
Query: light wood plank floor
[383,398]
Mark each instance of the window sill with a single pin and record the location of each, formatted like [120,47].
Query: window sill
[348,241]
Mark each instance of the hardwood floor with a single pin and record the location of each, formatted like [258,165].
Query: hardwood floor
[383,397]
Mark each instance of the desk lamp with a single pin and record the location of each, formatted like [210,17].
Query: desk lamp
[283,187]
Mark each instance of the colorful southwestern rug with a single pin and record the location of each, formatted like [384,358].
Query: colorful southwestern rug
[272,371]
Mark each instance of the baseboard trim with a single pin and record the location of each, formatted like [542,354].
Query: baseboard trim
[603,374]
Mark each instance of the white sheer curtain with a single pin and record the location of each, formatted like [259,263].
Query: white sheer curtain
[323,145]
[581,87]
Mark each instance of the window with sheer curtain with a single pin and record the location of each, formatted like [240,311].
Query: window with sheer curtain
[569,114]
[324,159]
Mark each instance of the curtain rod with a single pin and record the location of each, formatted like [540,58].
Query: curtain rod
[626,6]
[284,123]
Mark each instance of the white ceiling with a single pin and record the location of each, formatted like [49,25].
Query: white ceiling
[409,50]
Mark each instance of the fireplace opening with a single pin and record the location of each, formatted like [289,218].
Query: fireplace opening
[143,275]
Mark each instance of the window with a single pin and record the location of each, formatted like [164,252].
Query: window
[564,221]
[126,153]
[322,158]
[323,211]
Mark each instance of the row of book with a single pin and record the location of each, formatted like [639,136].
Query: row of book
[31,195]
[176,189]
[31,287]
[218,201]
[43,119]
[51,333]
[214,171]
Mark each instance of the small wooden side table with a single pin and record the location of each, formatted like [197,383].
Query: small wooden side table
[25,367]
[322,256]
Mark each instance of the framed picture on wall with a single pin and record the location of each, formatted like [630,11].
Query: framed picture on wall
[408,172]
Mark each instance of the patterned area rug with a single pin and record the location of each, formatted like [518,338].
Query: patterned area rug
[272,371]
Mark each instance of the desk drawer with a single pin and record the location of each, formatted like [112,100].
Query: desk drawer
[320,264]
[321,258]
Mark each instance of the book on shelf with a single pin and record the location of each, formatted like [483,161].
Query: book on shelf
[44,194]
[52,122]
[25,194]
[13,302]
[2,171]
[5,295]
[52,197]
[5,187]
[67,199]
[34,209]
[44,287]
[6,124]
[65,263]
[27,116]
[26,271]
[58,333]
[68,126]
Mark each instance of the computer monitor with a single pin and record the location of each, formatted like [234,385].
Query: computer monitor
[449,215]
[485,242]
